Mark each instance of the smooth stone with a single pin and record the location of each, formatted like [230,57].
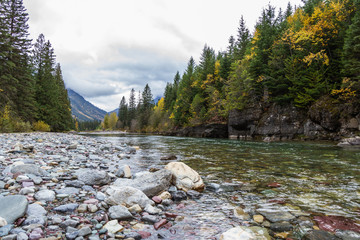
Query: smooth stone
[258,218]
[10,237]
[135,208]
[165,195]
[119,212]
[123,172]
[184,177]
[192,194]
[36,234]
[127,195]
[113,226]
[276,215]
[45,195]
[179,195]
[3,222]
[28,169]
[27,190]
[157,199]
[152,210]
[150,218]
[35,209]
[92,208]
[347,235]
[71,207]
[241,214]
[281,227]
[82,208]
[245,233]
[160,223]
[319,235]
[100,196]
[149,183]
[84,231]
[68,191]
[74,183]
[22,236]
[93,177]
[167,202]
[13,207]
[5,230]
[69,223]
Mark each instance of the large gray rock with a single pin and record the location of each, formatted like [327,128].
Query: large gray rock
[151,183]
[28,169]
[276,215]
[35,215]
[70,207]
[93,177]
[45,195]
[127,195]
[246,233]
[13,207]
[119,212]
[355,141]
[184,177]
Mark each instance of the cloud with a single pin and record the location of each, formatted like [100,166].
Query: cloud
[108,47]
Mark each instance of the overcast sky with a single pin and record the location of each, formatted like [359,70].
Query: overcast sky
[107,47]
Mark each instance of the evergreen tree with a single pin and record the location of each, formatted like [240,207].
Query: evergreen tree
[243,40]
[185,94]
[123,113]
[64,118]
[351,53]
[146,106]
[16,81]
[46,88]
[132,107]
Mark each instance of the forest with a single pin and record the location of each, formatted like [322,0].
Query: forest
[293,57]
[32,90]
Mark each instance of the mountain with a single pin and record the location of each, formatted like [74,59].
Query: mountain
[82,109]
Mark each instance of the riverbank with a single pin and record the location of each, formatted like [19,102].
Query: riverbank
[70,186]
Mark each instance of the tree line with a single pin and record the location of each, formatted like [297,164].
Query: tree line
[32,91]
[296,56]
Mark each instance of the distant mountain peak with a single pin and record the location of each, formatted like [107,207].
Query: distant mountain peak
[84,110]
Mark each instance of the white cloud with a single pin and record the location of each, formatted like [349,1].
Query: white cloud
[107,47]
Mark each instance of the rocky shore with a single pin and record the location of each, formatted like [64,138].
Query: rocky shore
[66,186]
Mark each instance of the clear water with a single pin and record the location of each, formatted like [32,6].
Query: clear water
[316,178]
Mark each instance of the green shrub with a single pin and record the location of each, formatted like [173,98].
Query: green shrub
[41,126]
[20,126]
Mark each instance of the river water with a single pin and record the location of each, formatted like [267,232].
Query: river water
[311,177]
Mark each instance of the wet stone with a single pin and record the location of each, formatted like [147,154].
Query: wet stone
[281,227]
[319,235]
[179,196]
[276,215]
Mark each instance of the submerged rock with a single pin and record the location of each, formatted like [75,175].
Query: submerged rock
[184,177]
[246,233]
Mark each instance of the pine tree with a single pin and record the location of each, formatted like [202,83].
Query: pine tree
[185,94]
[132,107]
[123,113]
[46,88]
[64,119]
[243,40]
[146,106]
[16,79]
[351,53]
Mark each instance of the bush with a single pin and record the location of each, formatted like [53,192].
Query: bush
[20,126]
[40,126]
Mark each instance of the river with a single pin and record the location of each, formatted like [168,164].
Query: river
[311,177]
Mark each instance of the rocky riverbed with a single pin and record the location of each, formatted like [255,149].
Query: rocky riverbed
[66,186]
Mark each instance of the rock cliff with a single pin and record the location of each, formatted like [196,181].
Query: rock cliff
[324,120]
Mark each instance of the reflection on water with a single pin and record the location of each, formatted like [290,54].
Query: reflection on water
[317,177]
